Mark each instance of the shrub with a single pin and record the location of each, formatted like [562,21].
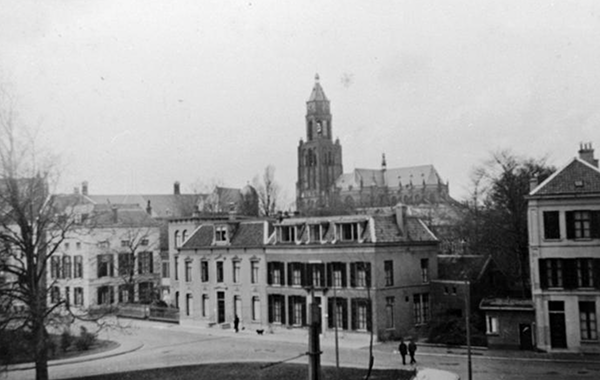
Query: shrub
[85,340]
[66,340]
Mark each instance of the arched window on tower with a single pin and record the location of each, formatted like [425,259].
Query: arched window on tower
[310,130]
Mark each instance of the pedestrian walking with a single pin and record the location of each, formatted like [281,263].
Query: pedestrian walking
[412,348]
[236,323]
[402,349]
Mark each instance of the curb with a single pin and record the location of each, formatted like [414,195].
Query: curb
[79,359]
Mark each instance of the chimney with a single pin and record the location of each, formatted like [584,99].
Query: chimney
[176,189]
[149,208]
[401,211]
[586,153]
[84,188]
[533,183]
[115,214]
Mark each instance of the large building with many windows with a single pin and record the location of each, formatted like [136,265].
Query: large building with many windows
[366,272]
[110,256]
[564,239]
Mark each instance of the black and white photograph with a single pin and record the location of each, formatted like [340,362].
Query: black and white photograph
[321,190]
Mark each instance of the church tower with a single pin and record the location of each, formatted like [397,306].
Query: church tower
[319,158]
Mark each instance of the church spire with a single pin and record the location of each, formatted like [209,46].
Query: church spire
[317,94]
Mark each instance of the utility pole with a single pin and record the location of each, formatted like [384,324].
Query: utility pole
[314,349]
[335,324]
[468,312]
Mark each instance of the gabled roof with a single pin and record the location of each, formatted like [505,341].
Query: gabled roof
[462,267]
[578,177]
[126,216]
[394,177]
[163,205]
[242,234]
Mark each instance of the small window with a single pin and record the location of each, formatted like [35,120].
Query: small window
[254,272]
[221,234]
[220,271]
[144,242]
[288,233]
[491,325]
[389,272]
[124,243]
[348,231]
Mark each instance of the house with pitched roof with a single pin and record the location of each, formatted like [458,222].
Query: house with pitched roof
[111,255]
[366,272]
[219,271]
[564,252]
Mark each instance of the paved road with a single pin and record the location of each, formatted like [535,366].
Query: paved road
[153,345]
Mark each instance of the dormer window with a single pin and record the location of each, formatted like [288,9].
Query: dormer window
[221,234]
[317,232]
[348,232]
[287,234]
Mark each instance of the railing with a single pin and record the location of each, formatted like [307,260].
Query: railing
[155,313]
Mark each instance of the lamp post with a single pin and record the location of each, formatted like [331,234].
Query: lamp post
[335,324]
[314,350]
[468,312]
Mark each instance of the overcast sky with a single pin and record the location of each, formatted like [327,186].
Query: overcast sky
[134,95]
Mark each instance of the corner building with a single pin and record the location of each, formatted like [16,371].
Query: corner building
[564,252]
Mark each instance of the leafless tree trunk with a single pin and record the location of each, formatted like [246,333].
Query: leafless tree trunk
[268,192]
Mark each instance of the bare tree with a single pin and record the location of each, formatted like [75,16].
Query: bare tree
[268,191]
[30,233]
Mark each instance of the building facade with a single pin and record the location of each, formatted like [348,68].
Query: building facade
[564,240]
[219,272]
[110,256]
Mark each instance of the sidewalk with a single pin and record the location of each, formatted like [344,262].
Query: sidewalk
[493,354]
[124,346]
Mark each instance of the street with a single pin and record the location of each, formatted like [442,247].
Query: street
[164,345]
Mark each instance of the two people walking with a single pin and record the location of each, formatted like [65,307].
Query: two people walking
[411,348]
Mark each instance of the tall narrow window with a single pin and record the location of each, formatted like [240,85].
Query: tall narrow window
[587,321]
[254,272]
[176,267]
[188,270]
[146,263]
[78,267]
[78,295]
[585,273]
[220,271]
[105,265]
[421,308]
[389,312]
[237,265]
[389,272]
[204,270]
[66,266]
[425,270]
[205,305]
[188,304]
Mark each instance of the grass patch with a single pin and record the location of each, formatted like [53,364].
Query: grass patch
[251,371]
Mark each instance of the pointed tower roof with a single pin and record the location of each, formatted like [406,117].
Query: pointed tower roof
[317,94]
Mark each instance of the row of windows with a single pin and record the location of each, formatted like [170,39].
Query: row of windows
[126,264]
[105,295]
[319,275]
[236,269]
[205,307]
[317,232]
[66,267]
[56,296]
[569,273]
[580,224]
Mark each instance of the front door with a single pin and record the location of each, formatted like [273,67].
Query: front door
[558,331]
[220,307]
[525,336]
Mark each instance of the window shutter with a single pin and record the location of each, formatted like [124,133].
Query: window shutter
[597,273]
[330,312]
[345,311]
[369,316]
[570,225]
[304,319]
[354,321]
[595,232]
[569,273]
[290,268]
[353,275]
[282,298]
[368,274]
[269,273]
[291,302]
[309,271]
[543,273]
[111,292]
[304,274]
[150,262]
[111,266]
[329,275]
[270,307]
[344,275]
